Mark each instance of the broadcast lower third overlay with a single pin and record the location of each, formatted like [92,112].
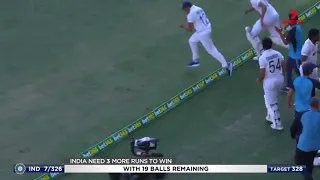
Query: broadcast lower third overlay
[156,165]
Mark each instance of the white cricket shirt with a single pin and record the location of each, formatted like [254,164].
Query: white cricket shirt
[270,9]
[198,17]
[271,61]
[309,49]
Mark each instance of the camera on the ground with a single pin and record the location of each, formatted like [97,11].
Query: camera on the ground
[144,145]
[141,147]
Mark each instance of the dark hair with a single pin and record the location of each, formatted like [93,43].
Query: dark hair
[186,4]
[267,43]
[307,73]
[313,33]
[314,102]
[307,68]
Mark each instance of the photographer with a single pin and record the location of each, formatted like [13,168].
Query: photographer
[309,140]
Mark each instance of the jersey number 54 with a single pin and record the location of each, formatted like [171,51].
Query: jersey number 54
[274,65]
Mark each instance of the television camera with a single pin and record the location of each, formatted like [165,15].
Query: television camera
[141,147]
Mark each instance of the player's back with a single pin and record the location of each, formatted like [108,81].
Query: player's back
[272,60]
[199,18]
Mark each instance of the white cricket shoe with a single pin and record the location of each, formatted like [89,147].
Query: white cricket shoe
[268,118]
[277,126]
[316,161]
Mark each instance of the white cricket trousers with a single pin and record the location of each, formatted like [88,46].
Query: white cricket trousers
[270,21]
[272,87]
[204,37]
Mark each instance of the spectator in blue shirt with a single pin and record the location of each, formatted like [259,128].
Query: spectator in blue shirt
[309,141]
[295,40]
[303,89]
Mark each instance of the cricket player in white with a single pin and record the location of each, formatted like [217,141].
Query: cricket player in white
[309,52]
[198,20]
[271,63]
[269,20]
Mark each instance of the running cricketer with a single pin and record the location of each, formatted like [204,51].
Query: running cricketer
[271,63]
[198,20]
[269,20]
[309,51]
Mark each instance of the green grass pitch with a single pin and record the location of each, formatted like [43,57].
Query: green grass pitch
[73,72]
